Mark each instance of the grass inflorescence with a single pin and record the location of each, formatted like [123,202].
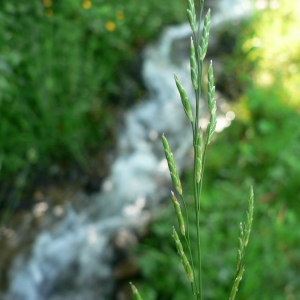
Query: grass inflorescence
[190,255]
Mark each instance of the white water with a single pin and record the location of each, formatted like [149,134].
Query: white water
[73,261]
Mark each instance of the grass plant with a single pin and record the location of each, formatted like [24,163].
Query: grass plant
[190,254]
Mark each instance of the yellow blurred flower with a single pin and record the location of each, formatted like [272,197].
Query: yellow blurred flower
[110,26]
[49,12]
[47,3]
[86,4]
[120,15]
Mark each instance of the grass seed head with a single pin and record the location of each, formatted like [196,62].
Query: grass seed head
[172,166]
[192,15]
[205,36]
[178,213]
[187,267]
[177,242]
[184,99]
[135,292]
[199,156]
[194,68]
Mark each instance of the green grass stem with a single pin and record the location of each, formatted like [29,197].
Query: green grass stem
[192,258]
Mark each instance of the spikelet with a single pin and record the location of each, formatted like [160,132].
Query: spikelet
[184,260]
[211,104]
[250,210]
[205,36]
[187,267]
[199,156]
[211,88]
[236,283]
[192,15]
[184,99]
[177,242]
[241,246]
[136,294]
[178,213]
[194,68]
[244,231]
[243,238]
[172,166]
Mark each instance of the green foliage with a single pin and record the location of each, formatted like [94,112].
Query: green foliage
[189,244]
[63,68]
[255,150]
[262,148]
[268,47]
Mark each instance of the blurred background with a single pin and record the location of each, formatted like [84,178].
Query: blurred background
[68,72]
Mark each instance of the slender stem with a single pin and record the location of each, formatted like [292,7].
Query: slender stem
[188,243]
[198,230]
[197,188]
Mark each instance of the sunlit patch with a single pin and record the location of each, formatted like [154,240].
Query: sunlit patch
[222,123]
[275,4]
[252,43]
[261,4]
[265,78]
[264,4]
[203,122]
[276,60]
[293,69]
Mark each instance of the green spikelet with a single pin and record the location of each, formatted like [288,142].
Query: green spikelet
[184,99]
[172,166]
[211,88]
[192,15]
[199,156]
[184,260]
[236,283]
[250,210]
[194,69]
[241,247]
[187,267]
[178,213]
[177,242]
[135,292]
[211,104]
[243,239]
[205,36]
[244,231]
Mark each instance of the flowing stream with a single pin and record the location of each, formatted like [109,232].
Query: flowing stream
[73,259]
